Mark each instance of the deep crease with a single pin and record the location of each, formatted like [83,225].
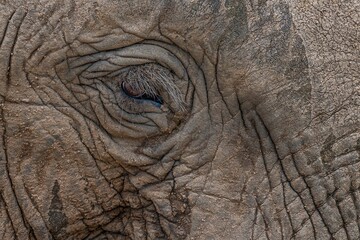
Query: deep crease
[9,180]
[7,27]
[288,180]
[8,74]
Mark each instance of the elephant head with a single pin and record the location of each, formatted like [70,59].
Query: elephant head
[179,120]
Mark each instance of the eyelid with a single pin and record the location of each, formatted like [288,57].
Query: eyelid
[154,54]
[116,60]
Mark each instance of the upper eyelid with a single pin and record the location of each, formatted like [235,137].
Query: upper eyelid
[136,54]
[107,68]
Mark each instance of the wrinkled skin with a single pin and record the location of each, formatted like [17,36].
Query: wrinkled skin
[262,140]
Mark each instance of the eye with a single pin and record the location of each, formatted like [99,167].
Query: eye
[145,82]
[139,92]
[132,91]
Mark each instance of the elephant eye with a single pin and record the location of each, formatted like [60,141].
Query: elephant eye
[148,82]
[139,92]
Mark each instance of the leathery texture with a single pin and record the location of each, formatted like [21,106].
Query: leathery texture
[202,120]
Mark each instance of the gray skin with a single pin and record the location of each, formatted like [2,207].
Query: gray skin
[256,137]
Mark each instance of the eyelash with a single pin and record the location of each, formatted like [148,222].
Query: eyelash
[145,96]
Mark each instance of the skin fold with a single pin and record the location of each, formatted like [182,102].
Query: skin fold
[179,119]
